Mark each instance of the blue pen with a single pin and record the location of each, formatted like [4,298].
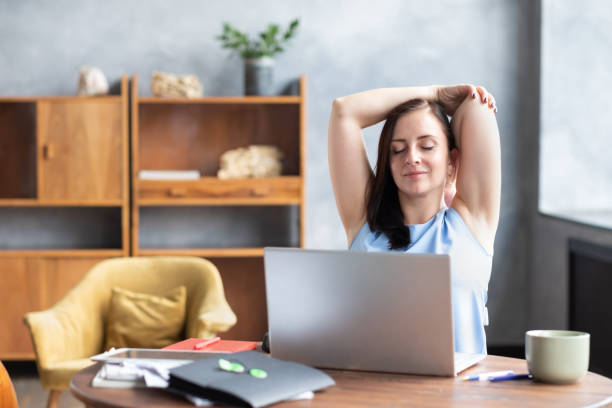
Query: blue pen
[486,376]
[510,377]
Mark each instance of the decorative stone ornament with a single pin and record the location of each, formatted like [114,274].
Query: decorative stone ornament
[251,161]
[171,85]
[92,82]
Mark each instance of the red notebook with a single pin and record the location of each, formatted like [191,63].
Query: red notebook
[223,346]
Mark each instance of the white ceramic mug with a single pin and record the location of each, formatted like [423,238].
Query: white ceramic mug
[557,356]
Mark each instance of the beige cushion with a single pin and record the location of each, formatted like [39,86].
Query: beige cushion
[143,320]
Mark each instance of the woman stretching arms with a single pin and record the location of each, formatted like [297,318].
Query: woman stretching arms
[409,202]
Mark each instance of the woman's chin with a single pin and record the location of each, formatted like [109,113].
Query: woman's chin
[419,192]
[413,192]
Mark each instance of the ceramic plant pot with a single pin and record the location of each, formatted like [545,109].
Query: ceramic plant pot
[258,76]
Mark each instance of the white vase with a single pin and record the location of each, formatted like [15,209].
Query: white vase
[258,76]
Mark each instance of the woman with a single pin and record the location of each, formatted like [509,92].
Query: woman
[421,158]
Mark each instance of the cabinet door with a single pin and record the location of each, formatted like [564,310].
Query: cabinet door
[32,284]
[19,292]
[80,150]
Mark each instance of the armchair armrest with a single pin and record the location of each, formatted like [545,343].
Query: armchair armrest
[212,320]
[59,334]
[209,312]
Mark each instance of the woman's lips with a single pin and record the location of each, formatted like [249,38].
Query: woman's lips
[415,174]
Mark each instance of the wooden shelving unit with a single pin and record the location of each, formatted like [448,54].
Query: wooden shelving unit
[229,221]
[65,194]
[64,200]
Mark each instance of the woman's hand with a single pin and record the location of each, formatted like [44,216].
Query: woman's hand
[451,97]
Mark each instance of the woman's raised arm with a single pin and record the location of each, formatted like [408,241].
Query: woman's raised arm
[479,166]
[348,162]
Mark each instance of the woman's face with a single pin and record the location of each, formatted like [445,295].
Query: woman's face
[419,158]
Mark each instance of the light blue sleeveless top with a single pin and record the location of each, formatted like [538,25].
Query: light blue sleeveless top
[447,233]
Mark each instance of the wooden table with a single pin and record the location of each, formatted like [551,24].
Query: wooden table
[367,389]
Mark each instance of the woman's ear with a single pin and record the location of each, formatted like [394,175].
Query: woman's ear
[453,165]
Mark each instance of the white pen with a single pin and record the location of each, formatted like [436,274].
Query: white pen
[485,376]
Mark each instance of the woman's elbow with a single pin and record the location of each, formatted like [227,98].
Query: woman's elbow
[338,107]
[472,113]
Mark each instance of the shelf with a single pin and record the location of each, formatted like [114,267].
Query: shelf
[66,98]
[219,202]
[39,227]
[284,190]
[193,136]
[9,202]
[217,227]
[61,253]
[17,356]
[205,252]
[225,100]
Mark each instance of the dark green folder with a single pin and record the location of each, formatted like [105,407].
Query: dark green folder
[285,379]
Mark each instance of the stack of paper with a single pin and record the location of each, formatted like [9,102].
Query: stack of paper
[136,374]
[140,374]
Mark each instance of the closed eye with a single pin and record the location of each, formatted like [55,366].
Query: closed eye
[398,151]
[427,147]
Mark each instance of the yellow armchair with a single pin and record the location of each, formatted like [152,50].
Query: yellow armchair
[66,335]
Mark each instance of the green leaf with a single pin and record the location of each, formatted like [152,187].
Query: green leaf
[290,30]
[272,30]
[268,42]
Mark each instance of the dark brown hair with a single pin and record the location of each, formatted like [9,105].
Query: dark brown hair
[384,213]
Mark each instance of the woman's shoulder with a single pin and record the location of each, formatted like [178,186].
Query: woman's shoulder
[355,231]
[446,219]
[359,236]
[455,218]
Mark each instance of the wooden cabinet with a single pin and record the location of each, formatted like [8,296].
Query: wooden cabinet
[64,200]
[227,221]
[79,150]
[20,290]
[33,283]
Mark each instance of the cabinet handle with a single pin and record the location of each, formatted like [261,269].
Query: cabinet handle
[177,192]
[260,191]
[48,151]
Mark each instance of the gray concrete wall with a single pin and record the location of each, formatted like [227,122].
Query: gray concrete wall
[343,47]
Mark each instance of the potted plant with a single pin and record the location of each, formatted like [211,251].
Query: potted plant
[258,53]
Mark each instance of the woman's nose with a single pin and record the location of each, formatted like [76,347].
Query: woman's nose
[412,156]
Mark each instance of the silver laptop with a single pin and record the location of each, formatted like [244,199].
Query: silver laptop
[369,311]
